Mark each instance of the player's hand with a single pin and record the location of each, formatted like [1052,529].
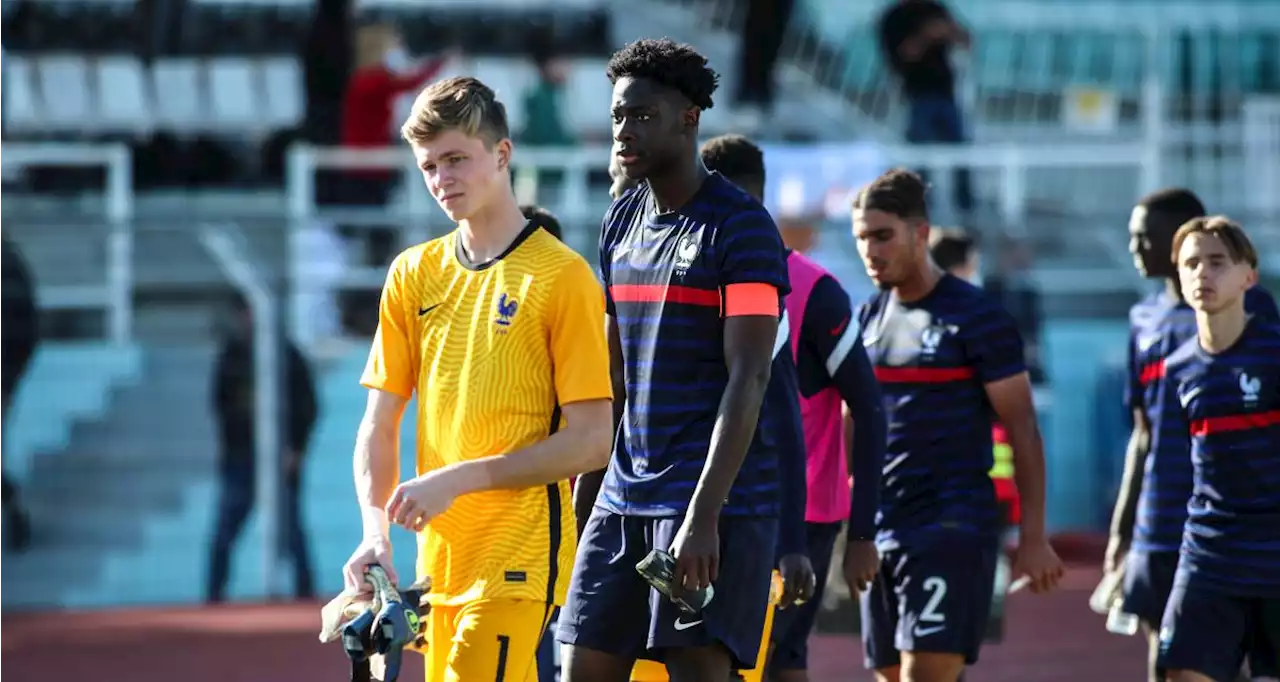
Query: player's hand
[696,550]
[1037,560]
[798,580]
[374,550]
[861,563]
[418,500]
[1117,551]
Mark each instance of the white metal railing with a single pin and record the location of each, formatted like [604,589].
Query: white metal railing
[226,245]
[824,168]
[117,160]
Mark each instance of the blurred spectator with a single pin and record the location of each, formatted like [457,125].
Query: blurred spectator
[326,59]
[1011,283]
[917,37]
[762,34]
[20,337]
[383,72]
[956,251]
[233,403]
[544,103]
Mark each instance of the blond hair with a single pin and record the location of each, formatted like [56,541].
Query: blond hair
[1233,237]
[463,104]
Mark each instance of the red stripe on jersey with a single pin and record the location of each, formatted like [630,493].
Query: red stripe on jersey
[1235,422]
[663,293]
[1151,372]
[923,375]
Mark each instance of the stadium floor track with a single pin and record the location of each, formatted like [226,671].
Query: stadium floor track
[1051,638]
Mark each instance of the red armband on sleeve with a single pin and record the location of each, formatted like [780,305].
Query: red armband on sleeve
[750,298]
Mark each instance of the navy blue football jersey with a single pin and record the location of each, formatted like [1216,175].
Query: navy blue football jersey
[665,275]
[1231,404]
[933,358]
[1158,325]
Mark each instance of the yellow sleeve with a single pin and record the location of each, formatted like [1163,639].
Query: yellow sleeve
[390,365]
[579,349]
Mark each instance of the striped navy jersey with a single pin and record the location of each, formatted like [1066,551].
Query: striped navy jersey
[1231,402]
[1158,325]
[934,357]
[665,275]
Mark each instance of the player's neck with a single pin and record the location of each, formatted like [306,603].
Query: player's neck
[675,189]
[1219,331]
[1172,288]
[487,234]
[919,284]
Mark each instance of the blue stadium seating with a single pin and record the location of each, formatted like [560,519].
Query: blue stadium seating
[65,382]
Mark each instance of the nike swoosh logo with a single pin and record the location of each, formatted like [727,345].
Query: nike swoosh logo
[424,311]
[839,329]
[681,625]
[925,632]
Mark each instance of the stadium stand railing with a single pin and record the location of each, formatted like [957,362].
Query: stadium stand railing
[109,223]
[146,447]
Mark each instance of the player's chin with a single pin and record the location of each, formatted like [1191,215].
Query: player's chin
[881,280]
[635,170]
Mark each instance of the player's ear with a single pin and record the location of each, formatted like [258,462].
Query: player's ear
[922,232]
[692,116]
[503,151]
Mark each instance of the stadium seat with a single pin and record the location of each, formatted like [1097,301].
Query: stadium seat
[22,105]
[284,98]
[234,95]
[67,93]
[509,79]
[124,105]
[180,103]
[586,96]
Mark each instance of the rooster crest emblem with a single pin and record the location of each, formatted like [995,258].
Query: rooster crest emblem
[507,307]
[686,252]
[1249,388]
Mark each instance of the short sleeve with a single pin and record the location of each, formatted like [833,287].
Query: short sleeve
[749,250]
[993,346]
[606,259]
[1132,385]
[829,329]
[390,366]
[579,349]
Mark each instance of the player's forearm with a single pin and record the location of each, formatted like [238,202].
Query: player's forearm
[1029,474]
[566,453]
[1126,509]
[377,471]
[734,430]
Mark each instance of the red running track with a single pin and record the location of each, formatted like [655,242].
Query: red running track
[1052,638]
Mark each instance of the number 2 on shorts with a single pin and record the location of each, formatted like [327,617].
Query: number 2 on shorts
[937,589]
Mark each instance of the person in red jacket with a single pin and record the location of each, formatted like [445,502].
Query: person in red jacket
[381,76]
[383,73]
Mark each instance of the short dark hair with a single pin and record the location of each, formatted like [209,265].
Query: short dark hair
[950,247]
[543,218]
[734,156]
[667,63]
[898,192]
[1232,235]
[1179,204]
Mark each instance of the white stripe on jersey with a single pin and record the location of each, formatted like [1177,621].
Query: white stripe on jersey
[843,346]
[784,335]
